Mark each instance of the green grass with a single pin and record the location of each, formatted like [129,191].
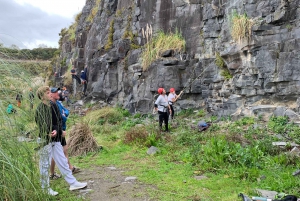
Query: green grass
[160,43]
[233,156]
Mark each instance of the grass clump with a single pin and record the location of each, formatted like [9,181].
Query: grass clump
[160,43]
[94,11]
[81,140]
[240,26]
[221,64]
[110,38]
[107,114]
[137,136]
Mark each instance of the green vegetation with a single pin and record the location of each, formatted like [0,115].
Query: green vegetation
[221,64]
[110,38]
[19,177]
[240,26]
[234,156]
[26,54]
[72,32]
[160,43]
[94,11]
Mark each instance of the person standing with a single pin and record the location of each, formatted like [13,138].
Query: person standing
[172,98]
[84,80]
[55,96]
[49,122]
[31,98]
[19,98]
[161,105]
[74,75]
[65,94]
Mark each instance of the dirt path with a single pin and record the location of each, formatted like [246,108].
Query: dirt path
[109,184]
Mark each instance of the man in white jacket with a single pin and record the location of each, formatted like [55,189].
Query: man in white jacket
[161,105]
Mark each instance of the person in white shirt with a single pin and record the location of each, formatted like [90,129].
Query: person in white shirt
[161,105]
[172,97]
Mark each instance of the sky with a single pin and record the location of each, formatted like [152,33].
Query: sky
[30,23]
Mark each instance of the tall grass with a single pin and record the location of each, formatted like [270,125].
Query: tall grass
[19,175]
[240,26]
[160,43]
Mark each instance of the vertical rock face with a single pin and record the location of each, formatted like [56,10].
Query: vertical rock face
[262,68]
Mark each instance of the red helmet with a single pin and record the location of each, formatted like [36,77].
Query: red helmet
[160,90]
[172,90]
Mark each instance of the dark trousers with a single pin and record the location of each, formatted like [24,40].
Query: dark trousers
[84,87]
[76,78]
[163,116]
[172,109]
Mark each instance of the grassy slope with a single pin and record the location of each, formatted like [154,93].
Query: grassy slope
[184,154]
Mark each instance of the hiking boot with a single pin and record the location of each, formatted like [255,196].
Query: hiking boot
[52,192]
[77,185]
[54,176]
[75,170]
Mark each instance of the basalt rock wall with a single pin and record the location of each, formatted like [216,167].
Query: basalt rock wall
[263,69]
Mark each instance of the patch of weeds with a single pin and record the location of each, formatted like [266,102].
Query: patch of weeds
[137,115]
[221,64]
[245,121]
[185,112]
[140,137]
[110,115]
[226,74]
[240,26]
[127,125]
[119,12]
[289,27]
[110,38]
[160,43]
[213,118]
[94,11]
[219,60]
[278,124]
[201,113]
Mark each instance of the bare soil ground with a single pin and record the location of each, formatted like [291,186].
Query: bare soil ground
[109,184]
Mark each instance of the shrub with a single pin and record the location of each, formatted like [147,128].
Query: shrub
[240,26]
[159,44]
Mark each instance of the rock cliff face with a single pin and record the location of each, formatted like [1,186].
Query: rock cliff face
[263,68]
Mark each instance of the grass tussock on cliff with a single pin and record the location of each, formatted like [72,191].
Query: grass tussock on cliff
[160,43]
[240,26]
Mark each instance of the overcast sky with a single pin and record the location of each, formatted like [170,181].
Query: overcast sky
[29,23]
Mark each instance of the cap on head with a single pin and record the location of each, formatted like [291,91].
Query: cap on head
[160,90]
[54,89]
[172,90]
[82,71]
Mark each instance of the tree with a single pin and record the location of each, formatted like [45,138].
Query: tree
[42,46]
